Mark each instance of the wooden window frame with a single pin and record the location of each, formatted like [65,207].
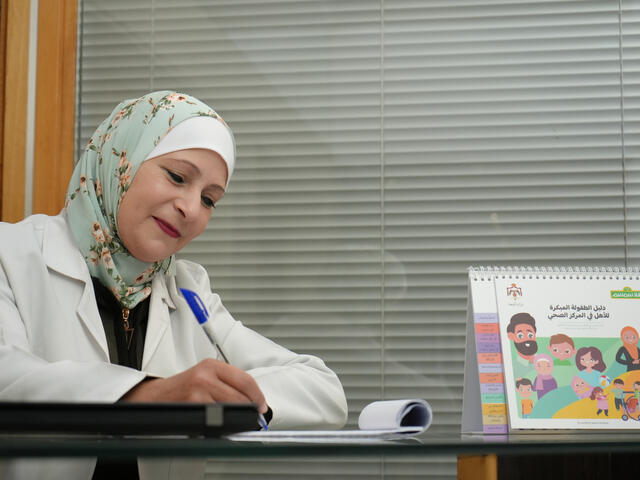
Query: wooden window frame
[55,104]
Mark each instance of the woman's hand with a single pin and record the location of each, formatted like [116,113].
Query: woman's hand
[208,381]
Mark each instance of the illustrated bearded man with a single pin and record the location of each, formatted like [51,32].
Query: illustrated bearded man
[522,331]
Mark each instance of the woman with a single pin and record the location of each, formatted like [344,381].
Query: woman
[629,353]
[544,381]
[90,308]
[590,365]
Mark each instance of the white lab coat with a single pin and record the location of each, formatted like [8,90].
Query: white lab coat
[53,346]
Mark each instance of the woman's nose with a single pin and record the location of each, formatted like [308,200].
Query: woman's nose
[187,205]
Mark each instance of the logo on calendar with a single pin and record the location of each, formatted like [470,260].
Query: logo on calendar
[514,292]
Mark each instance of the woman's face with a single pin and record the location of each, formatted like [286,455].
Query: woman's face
[629,337]
[543,367]
[587,361]
[170,201]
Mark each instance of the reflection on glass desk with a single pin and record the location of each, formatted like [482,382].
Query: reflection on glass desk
[18,445]
[523,456]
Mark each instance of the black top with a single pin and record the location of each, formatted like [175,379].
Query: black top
[124,349]
[624,358]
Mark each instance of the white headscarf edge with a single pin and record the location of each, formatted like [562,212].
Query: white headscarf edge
[199,132]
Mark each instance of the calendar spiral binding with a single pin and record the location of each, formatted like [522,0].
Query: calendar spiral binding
[555,272]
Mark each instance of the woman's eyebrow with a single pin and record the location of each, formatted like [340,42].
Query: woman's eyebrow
[188,164]
[217,187]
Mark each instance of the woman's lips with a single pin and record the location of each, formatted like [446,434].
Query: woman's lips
[167,228]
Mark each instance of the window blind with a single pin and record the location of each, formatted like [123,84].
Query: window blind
[383,147]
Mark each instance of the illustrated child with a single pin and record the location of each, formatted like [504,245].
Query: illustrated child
[591,365]
[562,348]
[617,388]
[629,353]
[634,402]
[544,382]
[522,331]
[602,404]
[581,388]
[523,385]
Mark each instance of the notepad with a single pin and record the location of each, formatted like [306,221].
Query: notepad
[380,420]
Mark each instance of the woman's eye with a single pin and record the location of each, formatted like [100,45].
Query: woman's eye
[208,202]
[175,177]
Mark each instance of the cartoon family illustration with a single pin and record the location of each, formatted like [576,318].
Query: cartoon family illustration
[574,374]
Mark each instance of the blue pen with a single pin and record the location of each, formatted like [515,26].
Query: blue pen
[202,315]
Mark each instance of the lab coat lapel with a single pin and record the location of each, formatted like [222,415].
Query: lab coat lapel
[157,326]
[61,254]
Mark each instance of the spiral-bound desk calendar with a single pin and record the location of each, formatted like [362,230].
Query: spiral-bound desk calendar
[552,348]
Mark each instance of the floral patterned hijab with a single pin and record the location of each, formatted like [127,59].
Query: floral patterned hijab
[121,143]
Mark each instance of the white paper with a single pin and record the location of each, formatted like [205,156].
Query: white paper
[382,420]
[323,436]
[396,414]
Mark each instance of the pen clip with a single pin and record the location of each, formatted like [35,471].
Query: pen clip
[196,304]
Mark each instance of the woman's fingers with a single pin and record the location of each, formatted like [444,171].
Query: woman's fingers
[242,382]
[208,381]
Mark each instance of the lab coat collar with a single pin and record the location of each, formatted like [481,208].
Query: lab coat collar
[60,251]
[160,288]
[61,254]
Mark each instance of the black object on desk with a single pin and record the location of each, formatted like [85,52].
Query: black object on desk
[191,419]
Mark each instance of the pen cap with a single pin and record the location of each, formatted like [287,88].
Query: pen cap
[196,305]
[202,315]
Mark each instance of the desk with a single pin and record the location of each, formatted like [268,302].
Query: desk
[479,457]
